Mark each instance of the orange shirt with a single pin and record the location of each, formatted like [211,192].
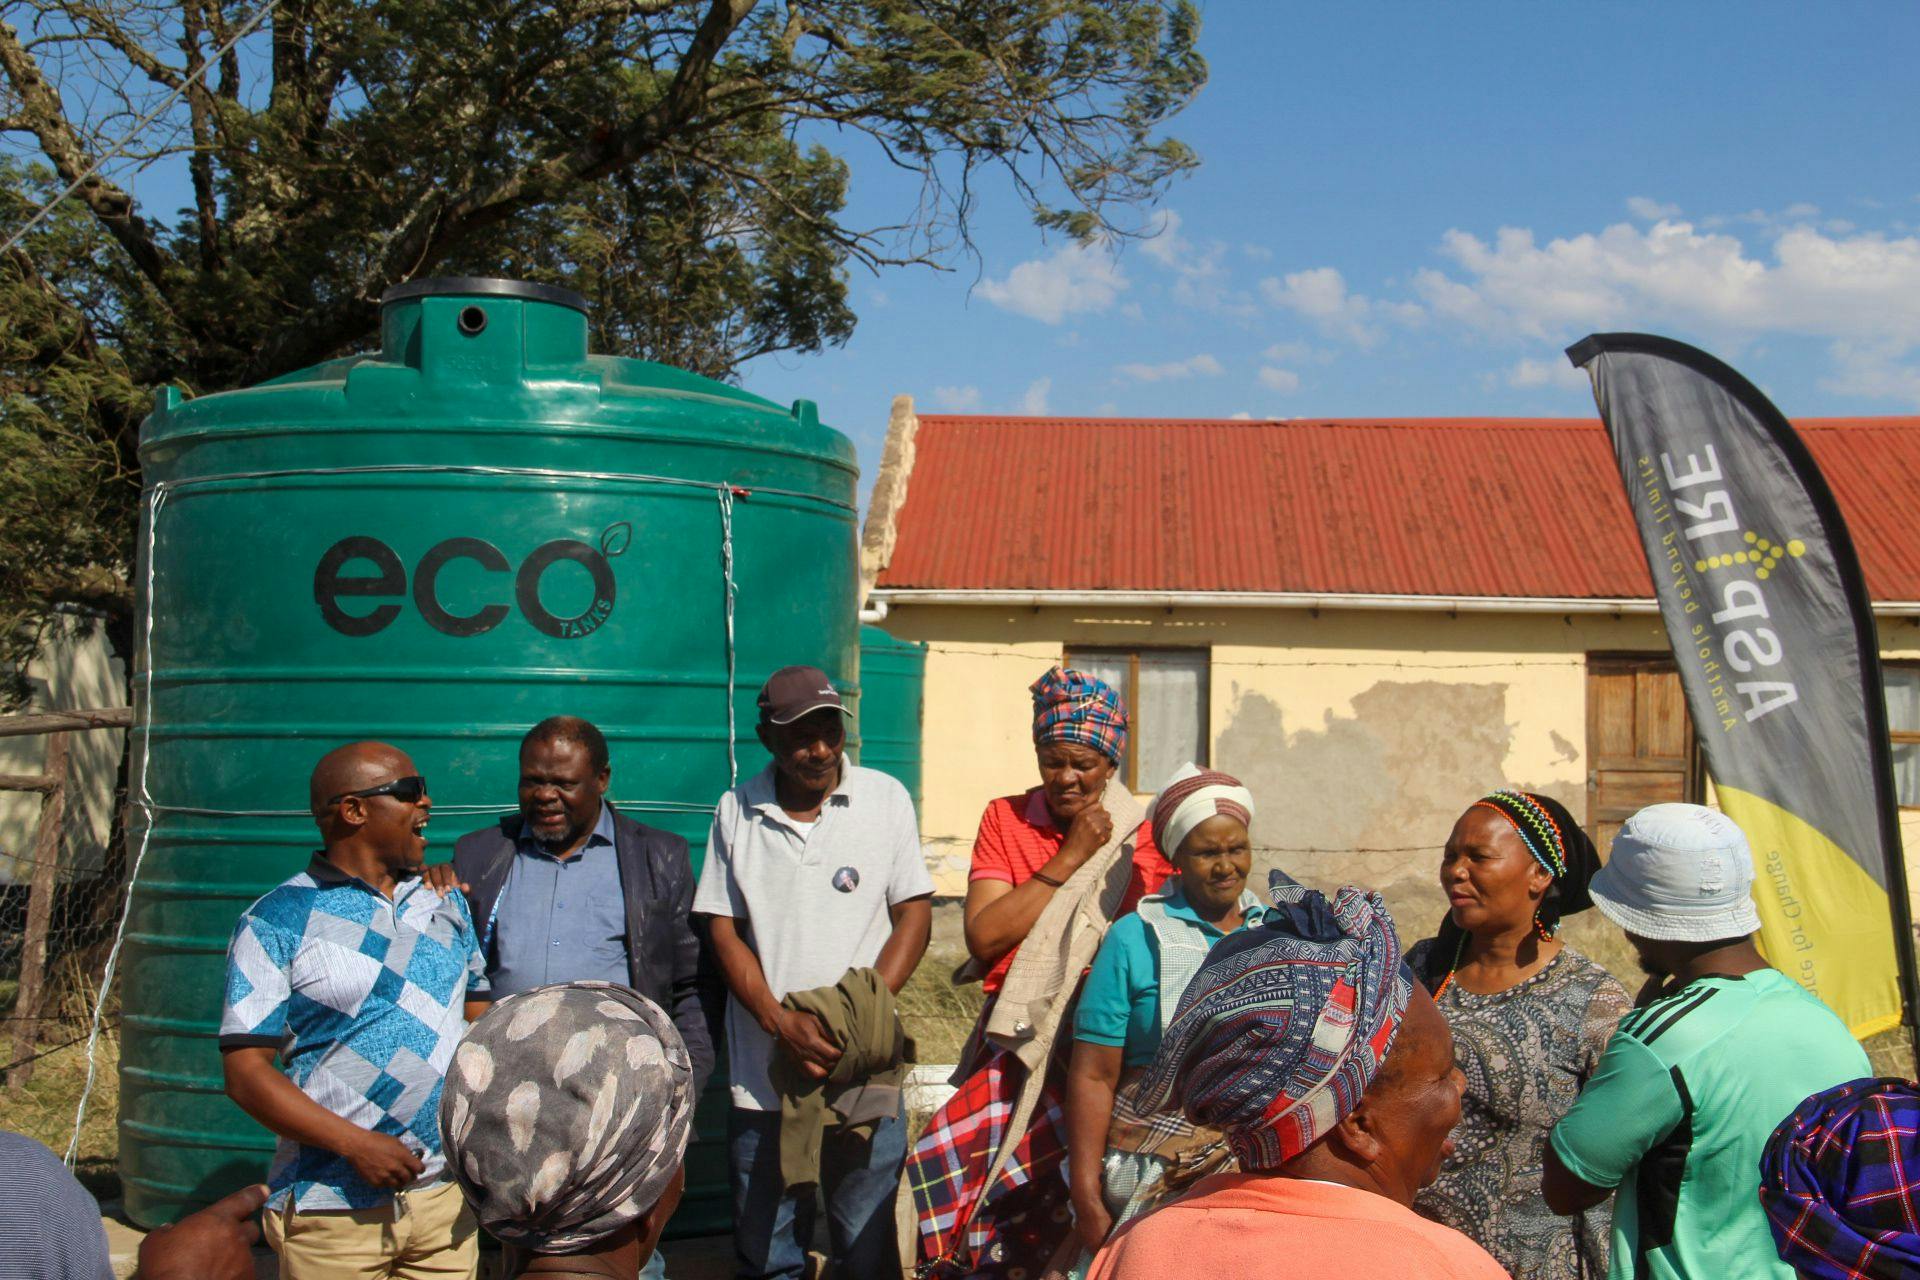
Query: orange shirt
[1253,1224]
[1017,838]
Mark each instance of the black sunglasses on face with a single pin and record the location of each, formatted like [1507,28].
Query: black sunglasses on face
[406,790]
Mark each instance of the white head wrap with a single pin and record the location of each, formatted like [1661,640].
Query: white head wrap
[1191,797]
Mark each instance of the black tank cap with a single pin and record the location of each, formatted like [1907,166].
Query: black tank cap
[483,286]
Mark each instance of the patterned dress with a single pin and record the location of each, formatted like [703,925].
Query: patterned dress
[1526,1052]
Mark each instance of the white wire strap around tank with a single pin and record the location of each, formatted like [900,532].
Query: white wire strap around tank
[726,569]
[156,501]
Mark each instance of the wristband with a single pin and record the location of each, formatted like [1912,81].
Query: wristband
[1044,878]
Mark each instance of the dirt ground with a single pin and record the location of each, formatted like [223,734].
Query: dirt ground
[707,1258]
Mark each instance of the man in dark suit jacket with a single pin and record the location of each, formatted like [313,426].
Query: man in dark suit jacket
[569,889]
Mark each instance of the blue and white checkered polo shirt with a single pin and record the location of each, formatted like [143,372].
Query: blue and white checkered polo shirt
[362,997]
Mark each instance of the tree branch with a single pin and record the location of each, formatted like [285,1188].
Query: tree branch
[109,33]
[436,224]
[200,161]
[44,117]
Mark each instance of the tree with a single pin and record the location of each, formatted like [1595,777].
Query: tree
[669,158]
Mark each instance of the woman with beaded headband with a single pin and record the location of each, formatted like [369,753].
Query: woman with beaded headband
[1530,1017]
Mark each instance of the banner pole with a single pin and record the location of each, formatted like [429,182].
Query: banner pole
[1658,396]
[1897,889]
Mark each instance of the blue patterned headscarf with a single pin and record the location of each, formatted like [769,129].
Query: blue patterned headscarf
[1840,1182]
[1285,1025]
[1072,706]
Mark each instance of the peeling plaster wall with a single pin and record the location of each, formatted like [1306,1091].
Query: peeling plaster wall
[1362,734]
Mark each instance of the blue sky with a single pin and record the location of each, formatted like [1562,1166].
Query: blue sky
[1410,209]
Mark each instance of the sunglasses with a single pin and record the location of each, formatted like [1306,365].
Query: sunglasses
[408,790]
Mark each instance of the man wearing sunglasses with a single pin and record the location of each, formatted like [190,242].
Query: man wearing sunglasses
[360,979]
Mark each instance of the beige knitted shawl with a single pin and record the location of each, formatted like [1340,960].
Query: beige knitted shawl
[1030,1012]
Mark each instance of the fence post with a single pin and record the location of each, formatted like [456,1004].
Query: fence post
[47,841]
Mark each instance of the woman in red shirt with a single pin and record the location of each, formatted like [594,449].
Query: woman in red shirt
[1030,843]
[1027,848]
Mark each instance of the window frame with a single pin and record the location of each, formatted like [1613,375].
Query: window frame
[1899,737]
[1131,695]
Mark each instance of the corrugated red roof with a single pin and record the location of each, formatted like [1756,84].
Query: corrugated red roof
[1426,506]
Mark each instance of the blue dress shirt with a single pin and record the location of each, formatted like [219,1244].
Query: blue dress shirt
[560,920]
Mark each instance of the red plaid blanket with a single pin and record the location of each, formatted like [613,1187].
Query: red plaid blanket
[970,1230]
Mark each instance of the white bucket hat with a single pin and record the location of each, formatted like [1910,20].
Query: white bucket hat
[1679,873]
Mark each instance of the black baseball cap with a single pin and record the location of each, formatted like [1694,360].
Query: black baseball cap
[792,692]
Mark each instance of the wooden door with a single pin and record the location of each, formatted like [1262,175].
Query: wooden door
[1640,745]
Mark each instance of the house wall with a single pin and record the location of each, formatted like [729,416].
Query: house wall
[74,670]
[1361,733]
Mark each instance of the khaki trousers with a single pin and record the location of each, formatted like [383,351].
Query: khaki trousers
[421,1234]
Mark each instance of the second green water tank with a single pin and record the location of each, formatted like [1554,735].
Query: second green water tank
[893,677]
[437,545]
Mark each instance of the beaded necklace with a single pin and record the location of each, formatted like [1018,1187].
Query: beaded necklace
[1459,950]
[1540,930]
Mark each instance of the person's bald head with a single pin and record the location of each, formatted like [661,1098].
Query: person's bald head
[354,767]
[388,828]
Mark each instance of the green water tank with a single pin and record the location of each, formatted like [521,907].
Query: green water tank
[437,546]
[893,680]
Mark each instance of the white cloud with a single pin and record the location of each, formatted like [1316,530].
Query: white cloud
[1282,380]
[1551,372]
[954,399]
[1321,296]
[1073,280]
[1035,400]
[1163,242]
[1200,279]
[1861,287]
[1296,353]
[1240,415]
[1875,371]
[1202,365]
[1648,209]
[1858,290]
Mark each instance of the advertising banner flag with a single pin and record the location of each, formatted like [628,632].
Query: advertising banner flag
[1774,636]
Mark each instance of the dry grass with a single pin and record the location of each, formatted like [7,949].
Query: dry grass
[45,1107]
[938,1014]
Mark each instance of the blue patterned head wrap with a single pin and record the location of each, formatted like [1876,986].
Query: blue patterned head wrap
[1285,1025]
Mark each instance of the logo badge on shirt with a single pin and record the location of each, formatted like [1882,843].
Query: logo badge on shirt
[846,879]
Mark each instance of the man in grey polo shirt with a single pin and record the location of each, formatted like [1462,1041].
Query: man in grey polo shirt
[813,868]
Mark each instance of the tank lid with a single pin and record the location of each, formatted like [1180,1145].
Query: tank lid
[484,286]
